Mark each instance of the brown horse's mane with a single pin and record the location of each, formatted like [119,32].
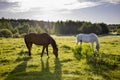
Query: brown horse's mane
[53,43]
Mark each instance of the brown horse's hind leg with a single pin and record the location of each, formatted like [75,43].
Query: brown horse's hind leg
[42,51]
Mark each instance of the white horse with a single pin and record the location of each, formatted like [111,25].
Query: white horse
[88,38]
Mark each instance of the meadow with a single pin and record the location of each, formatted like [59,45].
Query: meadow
[74,62]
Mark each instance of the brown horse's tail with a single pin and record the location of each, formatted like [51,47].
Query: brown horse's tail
[25,39]
[29,45]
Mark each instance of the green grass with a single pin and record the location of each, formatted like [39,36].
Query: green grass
[74,62]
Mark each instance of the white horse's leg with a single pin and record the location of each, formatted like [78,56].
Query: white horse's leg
[76,42]
[80,43]
[92,43]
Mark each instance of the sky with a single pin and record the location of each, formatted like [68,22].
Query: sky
[95,11]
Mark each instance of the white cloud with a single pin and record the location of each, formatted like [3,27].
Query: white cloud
[48,9]
[6,6]
[113,1]
[51,5]
[102,1]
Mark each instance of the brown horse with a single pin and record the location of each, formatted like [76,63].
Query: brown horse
[41,39]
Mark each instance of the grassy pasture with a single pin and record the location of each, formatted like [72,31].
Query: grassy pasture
[74,62]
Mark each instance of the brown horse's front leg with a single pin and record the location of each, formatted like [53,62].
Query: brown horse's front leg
[47,51]
[42,51]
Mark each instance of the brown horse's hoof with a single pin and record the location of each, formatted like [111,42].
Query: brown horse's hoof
[29,54]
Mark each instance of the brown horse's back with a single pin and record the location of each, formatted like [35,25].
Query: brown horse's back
[38,39]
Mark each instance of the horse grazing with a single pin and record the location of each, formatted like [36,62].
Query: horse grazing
[88,38]
[41,39]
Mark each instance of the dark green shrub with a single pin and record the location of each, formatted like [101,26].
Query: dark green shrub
[118,31]
[16,35]
[5,33]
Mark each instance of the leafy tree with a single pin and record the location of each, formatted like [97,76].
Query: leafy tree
[32,30]
[24,29]
[104,27]
[58,27]
[87,27]
[39,30]
[96,29]
[15,30]
[68,27]
[5,24]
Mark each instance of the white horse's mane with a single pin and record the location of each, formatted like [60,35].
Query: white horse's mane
[92,37]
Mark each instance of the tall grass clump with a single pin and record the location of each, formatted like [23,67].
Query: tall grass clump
[82,52]
[86,51]
[77,52]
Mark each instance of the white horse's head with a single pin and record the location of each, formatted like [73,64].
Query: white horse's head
[97,47]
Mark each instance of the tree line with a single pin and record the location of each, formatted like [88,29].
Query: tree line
[71,27]
[20,27]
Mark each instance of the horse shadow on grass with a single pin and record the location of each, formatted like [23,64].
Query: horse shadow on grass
[20,73]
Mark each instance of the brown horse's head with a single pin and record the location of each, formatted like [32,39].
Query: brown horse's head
[55,48]
[55,51]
